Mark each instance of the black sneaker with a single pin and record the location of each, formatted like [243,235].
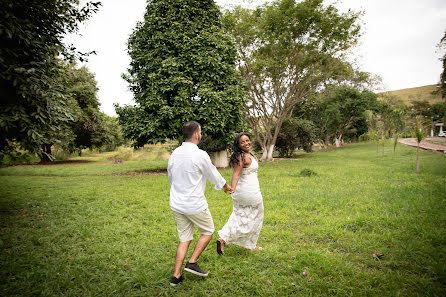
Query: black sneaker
[176,281]
[195,269]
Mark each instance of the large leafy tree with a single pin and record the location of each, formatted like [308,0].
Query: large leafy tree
[81,89]
[182,68]
[288,51]
[32,97]
[338,113]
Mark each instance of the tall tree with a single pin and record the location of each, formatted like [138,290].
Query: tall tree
[442,45]
[182,68]
[339,112]
[81,88]
[33,103]
[288,51]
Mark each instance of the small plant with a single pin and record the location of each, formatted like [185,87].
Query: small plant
[419,135]
[307,172]
[395,141]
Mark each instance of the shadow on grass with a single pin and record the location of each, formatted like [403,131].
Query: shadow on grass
[64,162]
[144,172]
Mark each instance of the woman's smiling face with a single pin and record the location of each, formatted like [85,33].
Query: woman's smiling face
[244,143]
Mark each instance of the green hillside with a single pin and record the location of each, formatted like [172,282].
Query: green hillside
[415,94]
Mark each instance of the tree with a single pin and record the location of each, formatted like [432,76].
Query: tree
[109,135]
[442,83]
[288,51]
[338,113]
[80,87]
[182,68]
[83,89]
[295,133]
[33,102]
[439,112]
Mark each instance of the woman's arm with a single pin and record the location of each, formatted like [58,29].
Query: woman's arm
[236,174]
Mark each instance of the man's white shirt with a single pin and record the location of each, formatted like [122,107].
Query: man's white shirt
[188,169]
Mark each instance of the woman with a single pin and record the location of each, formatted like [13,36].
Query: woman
[244,224]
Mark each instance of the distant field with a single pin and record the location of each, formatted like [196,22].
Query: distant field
[415,94]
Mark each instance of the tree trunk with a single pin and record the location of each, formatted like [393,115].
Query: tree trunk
[45,154]
[418,168]
[327,141]
[270,153]
[220,159]
[338,140]
[264,154]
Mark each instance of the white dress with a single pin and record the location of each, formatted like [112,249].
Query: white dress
[244,224]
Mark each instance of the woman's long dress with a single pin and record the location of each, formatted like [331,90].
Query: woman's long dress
[244,224]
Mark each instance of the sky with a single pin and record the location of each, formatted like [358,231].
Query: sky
[399,42]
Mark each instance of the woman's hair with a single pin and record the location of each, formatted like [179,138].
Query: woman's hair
[237,151]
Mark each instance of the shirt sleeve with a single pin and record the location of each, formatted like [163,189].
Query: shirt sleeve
[169,167]
[211,173]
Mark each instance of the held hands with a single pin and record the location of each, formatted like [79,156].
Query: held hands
[228,189]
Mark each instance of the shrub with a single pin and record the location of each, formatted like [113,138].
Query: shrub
[295,133]
[307,172]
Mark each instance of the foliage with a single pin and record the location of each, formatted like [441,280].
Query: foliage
[339,112]
[307,172]
[295,133]
[442,45]
[395,141]
[81,87]
[421,108]
[95,230]
[439,112]
[288,50]
[210,144]
[109,136]
[34,105]
[182,68]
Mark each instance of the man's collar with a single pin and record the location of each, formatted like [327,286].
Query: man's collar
[187,143]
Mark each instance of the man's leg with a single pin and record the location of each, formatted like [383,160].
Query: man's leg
[202,243]
[179,258]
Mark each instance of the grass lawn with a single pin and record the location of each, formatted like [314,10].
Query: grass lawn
[86,229]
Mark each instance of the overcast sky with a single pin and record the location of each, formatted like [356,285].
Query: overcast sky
[399,43]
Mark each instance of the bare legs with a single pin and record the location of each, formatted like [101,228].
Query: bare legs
[179,258]
[202,243]
[182,248]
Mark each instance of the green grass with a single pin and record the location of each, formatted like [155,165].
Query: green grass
[82,230]
[416,94]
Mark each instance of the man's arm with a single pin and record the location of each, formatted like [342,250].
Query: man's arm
[169,168]
[212,174]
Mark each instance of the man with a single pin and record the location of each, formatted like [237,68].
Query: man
[188,169]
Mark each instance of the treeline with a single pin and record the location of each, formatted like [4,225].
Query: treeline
[281,71]
[345,114]
[46,100]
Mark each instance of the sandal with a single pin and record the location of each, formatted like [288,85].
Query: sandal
[220,246]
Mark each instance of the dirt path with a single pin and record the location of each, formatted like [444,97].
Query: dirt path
[427,143]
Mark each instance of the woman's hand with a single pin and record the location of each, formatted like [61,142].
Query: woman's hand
[227,189]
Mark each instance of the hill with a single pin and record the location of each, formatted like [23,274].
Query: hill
[415,94]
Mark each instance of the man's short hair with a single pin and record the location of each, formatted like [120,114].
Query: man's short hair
[189,129]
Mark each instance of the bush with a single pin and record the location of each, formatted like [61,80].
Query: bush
[295,133]
[307,172]
[210,144]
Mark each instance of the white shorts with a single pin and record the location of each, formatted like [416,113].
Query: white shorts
[185,224]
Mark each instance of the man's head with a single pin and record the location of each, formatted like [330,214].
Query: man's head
[192,132]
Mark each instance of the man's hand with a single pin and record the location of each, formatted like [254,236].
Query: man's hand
[227,189]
